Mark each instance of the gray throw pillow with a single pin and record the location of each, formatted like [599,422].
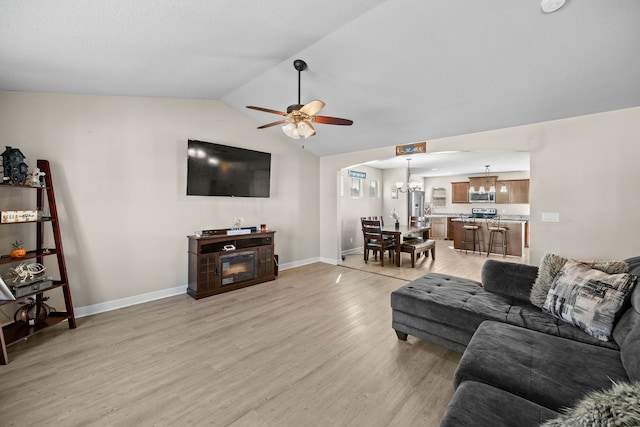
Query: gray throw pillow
[587,298]
[618,406]
[551,264]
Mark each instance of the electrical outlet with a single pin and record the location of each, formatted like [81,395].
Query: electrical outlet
[550,217]
[350,239]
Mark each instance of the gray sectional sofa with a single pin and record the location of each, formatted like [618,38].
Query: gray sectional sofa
[520,365]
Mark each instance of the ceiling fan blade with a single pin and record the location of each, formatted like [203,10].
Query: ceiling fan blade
[268,125]
[267,110]
[312,107]
[332,120]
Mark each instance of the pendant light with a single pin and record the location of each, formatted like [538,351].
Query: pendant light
[409,186]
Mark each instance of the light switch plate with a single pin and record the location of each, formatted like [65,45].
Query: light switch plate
[550,217]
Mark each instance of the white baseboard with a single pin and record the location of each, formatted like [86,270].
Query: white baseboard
[102,307]
[88,310]
[299,263]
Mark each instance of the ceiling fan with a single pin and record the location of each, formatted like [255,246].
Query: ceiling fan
[299,118]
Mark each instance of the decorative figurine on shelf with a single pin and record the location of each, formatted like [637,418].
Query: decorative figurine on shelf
[13,166]
[237,223]
[34,178]
[18,250]
[396,216]
[24,272]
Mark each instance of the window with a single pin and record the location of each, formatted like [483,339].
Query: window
[356,187]
[374,190]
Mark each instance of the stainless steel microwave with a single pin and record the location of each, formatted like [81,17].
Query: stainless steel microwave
[482,197]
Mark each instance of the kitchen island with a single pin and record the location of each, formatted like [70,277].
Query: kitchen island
[515,235]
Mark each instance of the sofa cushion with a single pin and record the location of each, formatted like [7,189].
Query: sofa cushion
[588,298]
[449,300]
[509,278]
[550,371]
[477,404]
[454,307]
[531,317]
[627,330]
[618,406]
[551,264]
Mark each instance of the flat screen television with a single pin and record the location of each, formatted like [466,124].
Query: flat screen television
[221,170]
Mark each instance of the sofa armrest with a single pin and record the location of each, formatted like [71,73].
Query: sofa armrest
[509,278]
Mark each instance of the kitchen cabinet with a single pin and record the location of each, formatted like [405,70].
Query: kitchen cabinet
[517,191]
[459,192]
[503,196]
[515,236]
[450,228]
[438,228]
[482,181]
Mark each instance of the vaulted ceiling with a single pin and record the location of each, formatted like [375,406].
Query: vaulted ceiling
[402,70]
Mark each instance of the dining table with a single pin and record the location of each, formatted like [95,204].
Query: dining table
[397,231]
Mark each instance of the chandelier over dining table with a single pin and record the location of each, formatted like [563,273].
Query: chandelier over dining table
[408,186]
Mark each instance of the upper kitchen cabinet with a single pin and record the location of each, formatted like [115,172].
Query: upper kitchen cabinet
[482,181]
[517,191]
[459,192]
[502,192]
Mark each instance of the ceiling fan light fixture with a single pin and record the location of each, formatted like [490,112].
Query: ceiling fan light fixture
[305,129]
[291,131]
[549,6]
[302,129]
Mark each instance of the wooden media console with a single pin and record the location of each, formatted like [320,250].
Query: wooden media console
[215,268]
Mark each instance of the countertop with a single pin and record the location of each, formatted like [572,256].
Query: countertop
[517,218]
[502,219]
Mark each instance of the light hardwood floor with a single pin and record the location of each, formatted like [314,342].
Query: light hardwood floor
[313,348]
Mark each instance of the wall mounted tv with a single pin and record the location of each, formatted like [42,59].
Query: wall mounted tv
[221,170]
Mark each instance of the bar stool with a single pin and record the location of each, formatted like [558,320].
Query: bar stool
[494,227]
[471,234]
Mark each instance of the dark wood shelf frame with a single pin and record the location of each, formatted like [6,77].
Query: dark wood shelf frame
[15,332]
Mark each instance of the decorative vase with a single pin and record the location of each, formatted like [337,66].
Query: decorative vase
[397,225]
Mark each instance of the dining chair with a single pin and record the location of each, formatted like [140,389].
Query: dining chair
[375,240]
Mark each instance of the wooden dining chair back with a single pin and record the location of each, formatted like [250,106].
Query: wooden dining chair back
[376,241]
[374,218]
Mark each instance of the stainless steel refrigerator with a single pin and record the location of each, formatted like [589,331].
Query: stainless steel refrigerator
[415,205]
